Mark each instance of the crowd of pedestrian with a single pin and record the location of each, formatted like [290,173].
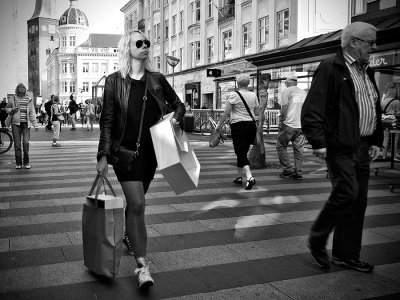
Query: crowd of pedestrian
[340,118]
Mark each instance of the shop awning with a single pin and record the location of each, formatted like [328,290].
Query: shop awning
[321,46]
[306,50]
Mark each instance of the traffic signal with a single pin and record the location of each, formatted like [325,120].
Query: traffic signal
[213,72]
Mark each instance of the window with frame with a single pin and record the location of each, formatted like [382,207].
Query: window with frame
[195,50]
[85,67]
[72,87]
[64,87]
[72,41]
[282,27]
[157,4]
[358,7]
[104,68]
[130,24]
[158,62]
[63,41]
[72,67]
[195,11]
[181,58]
[95,68]
[210,49]
[166,29]
[173,24]
[209,8]
[227,44]
[157,33]
[85,86]
[263,33]
[64,67]
[246,28]
[181,20]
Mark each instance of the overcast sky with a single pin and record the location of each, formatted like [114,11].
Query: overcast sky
[104,17]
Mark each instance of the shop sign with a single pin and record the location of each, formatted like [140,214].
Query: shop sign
[384,59]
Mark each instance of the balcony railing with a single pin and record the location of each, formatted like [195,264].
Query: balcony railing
[226,13]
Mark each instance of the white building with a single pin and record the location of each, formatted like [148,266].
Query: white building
[81,60]
[220,34]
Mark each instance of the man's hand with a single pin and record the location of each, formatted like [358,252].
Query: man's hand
[373,152]
[321,153]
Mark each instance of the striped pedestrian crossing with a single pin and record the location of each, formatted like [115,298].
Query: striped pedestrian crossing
[216,242]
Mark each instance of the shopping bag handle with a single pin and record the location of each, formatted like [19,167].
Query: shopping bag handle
[99,183]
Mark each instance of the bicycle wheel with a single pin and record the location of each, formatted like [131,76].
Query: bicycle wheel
[206,128]
[6,141]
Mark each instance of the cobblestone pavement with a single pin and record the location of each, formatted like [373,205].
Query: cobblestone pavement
[216,242]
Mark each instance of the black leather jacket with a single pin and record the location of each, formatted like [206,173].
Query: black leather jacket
[115,106]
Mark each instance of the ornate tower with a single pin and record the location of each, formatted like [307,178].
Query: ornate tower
[42,40]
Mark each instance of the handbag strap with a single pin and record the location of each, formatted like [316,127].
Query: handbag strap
[245,104]
[136,153]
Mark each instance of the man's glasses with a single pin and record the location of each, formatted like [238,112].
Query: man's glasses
[139,43]
[370,42]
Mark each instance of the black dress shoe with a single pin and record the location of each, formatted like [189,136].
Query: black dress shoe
[250,183]
[320,257]
[353,264]
[238,180]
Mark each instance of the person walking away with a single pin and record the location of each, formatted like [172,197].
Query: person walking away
[290,129]
[243,126]
[72,107]
[89,114]
[341,118]
[390,106]
[23,113]
[47,107]
[3,113]
[56,111]
[123,101]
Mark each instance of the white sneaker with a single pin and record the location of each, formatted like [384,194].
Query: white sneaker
[144,277]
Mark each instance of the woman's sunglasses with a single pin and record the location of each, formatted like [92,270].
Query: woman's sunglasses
[139,43]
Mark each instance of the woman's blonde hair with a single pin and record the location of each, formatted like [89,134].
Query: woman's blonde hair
[125,55]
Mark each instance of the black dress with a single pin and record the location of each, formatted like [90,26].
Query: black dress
[145,164]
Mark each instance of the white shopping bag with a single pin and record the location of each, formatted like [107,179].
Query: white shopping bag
[176,159]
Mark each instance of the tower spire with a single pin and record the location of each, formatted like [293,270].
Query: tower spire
[45,9]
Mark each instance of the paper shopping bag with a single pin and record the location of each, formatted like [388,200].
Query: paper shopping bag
[176,159]
[102,231]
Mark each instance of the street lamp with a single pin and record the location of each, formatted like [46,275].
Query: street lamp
[173,61]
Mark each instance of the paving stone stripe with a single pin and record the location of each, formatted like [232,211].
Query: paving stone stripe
[373,286]
[261,187]
[216,260]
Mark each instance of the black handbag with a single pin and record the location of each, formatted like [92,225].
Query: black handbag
[125,156]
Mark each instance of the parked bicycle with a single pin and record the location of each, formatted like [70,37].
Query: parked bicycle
[6,140]
[208,127]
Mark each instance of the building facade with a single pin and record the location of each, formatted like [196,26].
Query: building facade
[81,59]
[220,34]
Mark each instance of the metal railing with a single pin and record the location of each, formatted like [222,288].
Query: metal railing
[201,115]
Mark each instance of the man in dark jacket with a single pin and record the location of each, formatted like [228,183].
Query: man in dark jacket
[341,120]
[72,107]
[47,107]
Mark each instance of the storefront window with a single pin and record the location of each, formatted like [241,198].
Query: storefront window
[387,70]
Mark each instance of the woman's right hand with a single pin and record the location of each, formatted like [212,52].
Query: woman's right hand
[102,166]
